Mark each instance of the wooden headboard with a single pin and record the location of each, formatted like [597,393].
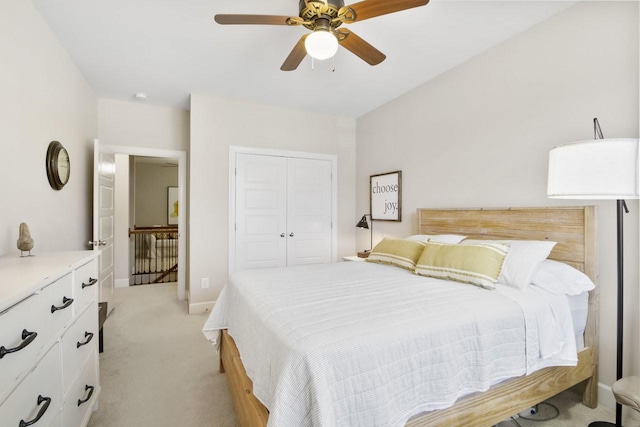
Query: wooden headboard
[573,228]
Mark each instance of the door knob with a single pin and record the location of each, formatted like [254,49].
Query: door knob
[282,235]
[291,234]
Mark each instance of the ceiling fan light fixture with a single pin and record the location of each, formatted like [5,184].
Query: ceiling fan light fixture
[321,44]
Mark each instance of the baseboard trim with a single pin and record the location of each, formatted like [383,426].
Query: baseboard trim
[121,283]
[605,397]
[201,307]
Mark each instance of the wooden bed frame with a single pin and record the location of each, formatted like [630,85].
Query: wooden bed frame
[574,228]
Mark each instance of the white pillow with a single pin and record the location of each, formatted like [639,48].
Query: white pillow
[440,238]
[562,279]
[524,257]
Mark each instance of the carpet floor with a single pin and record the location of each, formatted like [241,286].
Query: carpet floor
[158,370]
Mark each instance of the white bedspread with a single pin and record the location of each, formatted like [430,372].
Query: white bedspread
[362,344]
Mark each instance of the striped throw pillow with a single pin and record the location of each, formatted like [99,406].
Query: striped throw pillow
[478,264]
[401,253]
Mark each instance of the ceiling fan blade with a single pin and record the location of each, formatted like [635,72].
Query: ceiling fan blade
[371,8]
[296,56]
[252,19]
[360,48]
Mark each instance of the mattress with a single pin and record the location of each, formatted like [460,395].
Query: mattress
[579,306]
[350,344]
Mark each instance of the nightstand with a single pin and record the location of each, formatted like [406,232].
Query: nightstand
[352,258]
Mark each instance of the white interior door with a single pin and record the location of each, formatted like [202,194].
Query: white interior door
[308,211]
[104,219]
[261,222]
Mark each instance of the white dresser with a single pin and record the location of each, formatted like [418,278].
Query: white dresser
[48,339]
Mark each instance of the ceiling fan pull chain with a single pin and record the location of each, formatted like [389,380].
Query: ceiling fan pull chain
[333,69]
[313,64]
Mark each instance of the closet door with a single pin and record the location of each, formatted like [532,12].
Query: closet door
[308,211]
[261,214]
[283,211]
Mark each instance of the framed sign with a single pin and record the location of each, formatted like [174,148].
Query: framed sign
[386,196]
[172,205]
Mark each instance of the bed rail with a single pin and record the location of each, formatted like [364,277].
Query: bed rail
[155,255]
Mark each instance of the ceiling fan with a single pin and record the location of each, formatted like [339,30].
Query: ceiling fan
[323,18]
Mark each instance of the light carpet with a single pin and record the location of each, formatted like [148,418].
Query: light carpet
[157,369]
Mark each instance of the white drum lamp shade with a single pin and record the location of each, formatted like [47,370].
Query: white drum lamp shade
[594,169]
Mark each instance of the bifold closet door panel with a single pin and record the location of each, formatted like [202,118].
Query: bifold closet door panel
[261,215]
[308,211]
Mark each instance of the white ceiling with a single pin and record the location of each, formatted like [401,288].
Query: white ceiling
[169,49]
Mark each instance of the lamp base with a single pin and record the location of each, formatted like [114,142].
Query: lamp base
[363,254]
[602,424]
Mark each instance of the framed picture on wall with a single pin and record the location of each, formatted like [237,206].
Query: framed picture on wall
[172,205]
[386,196]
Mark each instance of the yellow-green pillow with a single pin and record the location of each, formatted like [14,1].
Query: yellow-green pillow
[478,264]
[401,253]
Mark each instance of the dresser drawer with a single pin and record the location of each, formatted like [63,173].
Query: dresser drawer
[82,394]
[45,308]
[38,396]
[85,286]
[57,305]
[78,342]
[58,421]
[22,337]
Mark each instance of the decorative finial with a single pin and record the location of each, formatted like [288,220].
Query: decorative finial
[25,242]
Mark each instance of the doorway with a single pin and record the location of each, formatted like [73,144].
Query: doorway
[149,199]
[177,159]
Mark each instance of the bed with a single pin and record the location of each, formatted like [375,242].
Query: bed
[495,398]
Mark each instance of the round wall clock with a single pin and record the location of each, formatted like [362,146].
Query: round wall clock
[58,165]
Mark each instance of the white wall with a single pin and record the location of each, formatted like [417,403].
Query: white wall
[479,135]
[217,123]
[137,124]
[121,230]
[44,98]
[152,180]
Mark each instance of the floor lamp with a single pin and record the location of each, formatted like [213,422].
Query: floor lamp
[599,169]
